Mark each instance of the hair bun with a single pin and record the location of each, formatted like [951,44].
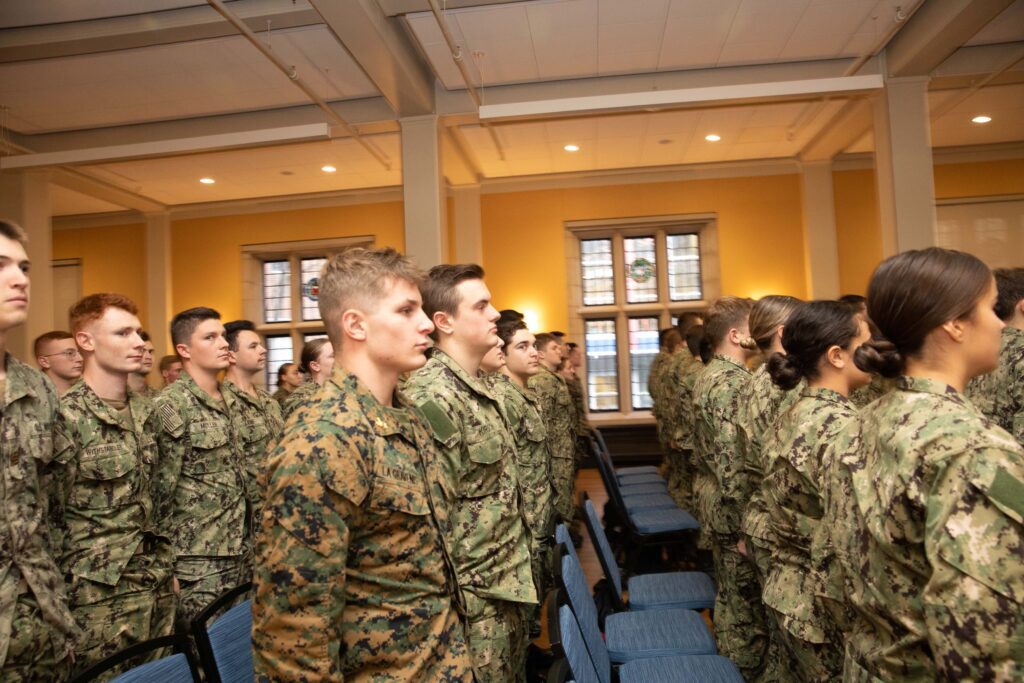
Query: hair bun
[784,371]
[879,356]
[748,343]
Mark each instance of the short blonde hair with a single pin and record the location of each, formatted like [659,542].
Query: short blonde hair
[358,277]
[725,314]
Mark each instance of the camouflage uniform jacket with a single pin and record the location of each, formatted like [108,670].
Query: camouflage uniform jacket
[477,455]
[353,576]
[1000,394]
[29,423]
[575,386]
[939,542]
[681,399]
[522,413]
[199,485]
[797,453]
[281,396]
[655,376]
[297,397]
[717,399]
[763,403]
[259,427]
[557,411]
[876,389]
[102,485]
[679,438]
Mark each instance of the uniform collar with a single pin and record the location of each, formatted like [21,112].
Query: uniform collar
[475,383]
[236,392]
[18,384]
[928,386]
[384,419]
[139,408]
[824,394]
[205,398]
[730,361]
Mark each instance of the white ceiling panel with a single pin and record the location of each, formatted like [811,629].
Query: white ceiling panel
[171,81]
[19,13]
[65,202]
[1005,104]
[267,172]
[1008,27]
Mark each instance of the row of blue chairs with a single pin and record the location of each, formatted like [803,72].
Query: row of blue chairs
[222,634]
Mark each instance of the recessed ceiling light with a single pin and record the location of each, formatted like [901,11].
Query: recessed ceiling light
[571,148]
[328,169]
[712,137]
[665,141]
[981,119]
[207,181]
[287,172]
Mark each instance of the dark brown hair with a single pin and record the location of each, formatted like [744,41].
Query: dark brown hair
[765,317]
[507,329]
[56,335]
[725,314]
[168,361]
[810,331]
[686,321]
[1010,283]
[311,353]
[438,288]
[186,322]
[913,293]
[13,231]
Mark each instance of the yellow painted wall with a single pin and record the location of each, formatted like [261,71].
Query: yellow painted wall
[858,231]
[759,235]
[206,252]
[113,259]
[979,179]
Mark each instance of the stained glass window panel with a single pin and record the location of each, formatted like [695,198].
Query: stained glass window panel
[598,272]
[277,294]
[643,347]
[641,270]
[684,267]
[279,352]
[602,368]
[310,294]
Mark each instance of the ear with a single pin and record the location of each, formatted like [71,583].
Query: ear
[85,341]
[44,363]
[353,324]
[232,358]
[183,351]
[443,322]
[955,329]
[834,356]
[734,336]
[314,367]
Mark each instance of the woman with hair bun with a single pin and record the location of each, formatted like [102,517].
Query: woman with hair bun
[819,341]
[932,541]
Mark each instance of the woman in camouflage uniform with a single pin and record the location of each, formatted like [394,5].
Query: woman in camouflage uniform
[819,342]
[934,538]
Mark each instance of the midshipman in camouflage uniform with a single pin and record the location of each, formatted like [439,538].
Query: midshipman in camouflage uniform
[37,631]
[490,539]
[199,486]
[120,571]
[559,420]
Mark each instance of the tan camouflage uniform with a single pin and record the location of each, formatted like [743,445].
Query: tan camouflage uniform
[304,392]
[37,631]
[120,571]
[558,413]
[740,621]
[354,579]
[200,493]
[796,454]
[1000,394]
[938,542]
[259,427]
[490,538]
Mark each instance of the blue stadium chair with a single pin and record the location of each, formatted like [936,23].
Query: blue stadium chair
[179,667]
[225,641]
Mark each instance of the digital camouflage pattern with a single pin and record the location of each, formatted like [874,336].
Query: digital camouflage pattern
[1000,394]
[582,424]
[679,445]
[797,453]
[740,622]
[656,389]
[558,413]
[120,571]
[354,579]
[477,454]
[259,427]
[876,389]
[199,493]
[281,396]
[304,392]
[37,631]
[939,493]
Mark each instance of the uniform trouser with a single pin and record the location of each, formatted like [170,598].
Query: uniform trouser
[680,482]
[778,664]
[203,580]
[141,606]
[814,662]
[35,651]
[740,621]
[563,474]
[498,634]
[540,565]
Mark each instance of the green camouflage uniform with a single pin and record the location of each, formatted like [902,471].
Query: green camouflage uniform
[200,493]
[533,461]
[740,621]
[582,425]
[938,542]
[655,388]
[120,571]
[876,389]
[796,454]
[1000,394]
[354,579]
[557,411]
[281,396]
[37,631]
[297,397]
[259,428]
[490,537]
[679,446]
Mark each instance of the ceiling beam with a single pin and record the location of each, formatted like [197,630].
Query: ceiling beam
[148,29]
[841,131]
[78,181]
[396,8]
[383,51]
[935,32]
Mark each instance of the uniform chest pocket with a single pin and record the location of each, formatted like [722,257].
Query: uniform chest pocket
[206,442]
[482,476]
[535,430]
[255,431]
[25,445]
[399,496]
[106,476]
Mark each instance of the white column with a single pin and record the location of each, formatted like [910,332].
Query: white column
[25,200]
[469,246]
[158,282]
[423,186]
[903,165]
[821,254]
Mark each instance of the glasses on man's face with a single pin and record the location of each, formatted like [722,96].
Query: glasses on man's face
[67,353]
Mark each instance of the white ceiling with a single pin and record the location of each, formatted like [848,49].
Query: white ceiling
[174,81]
[65,202]
[23,13]
[1008,27]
